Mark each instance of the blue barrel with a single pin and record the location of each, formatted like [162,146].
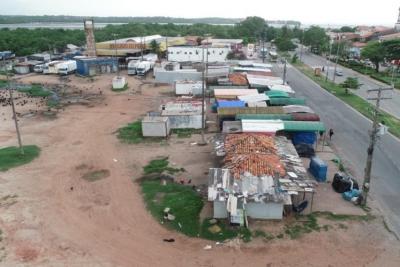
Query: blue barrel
[318,169]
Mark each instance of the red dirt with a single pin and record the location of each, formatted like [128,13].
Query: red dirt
[105,223]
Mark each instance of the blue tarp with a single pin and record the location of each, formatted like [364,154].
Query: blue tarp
[318,169]
[231,104]
[304,138]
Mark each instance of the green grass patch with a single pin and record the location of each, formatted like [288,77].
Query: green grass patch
[344,217]
[35,90]
[96,175]
[121,89]
[159,166]
[11,157]
[3,83]
[184,203]
[185,133]
[358,103]
[303,225]
[262,234]
[132,134]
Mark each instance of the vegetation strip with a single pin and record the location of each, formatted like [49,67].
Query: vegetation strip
[11,157]
[358,103]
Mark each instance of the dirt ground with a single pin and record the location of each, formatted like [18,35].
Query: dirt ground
[51,216]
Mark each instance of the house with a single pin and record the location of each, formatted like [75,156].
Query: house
[389,37]
[355,49]
[260,175]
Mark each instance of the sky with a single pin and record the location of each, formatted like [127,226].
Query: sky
[337,12]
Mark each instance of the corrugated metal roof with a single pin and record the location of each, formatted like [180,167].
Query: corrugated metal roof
[257,104]
[284,117]
[223,93]
[297,109]
[254,98]
[254,110]
[230,104]
[281,87]
[304,126]
[262,126]
[287,101]
[276,94]
[244,69]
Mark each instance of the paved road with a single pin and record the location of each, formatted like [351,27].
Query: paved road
[391,106]
[351,141]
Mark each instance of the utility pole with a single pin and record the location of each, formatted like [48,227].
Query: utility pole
[166,47]
[263,45]
[336,62]
[203,94]
[141,47]
[373,139]
[10,91]
[116,52]
[328,60]
[284,72]
[301,46]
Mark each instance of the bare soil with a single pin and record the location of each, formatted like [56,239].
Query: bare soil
[105,222]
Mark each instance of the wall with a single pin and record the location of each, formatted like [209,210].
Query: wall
[261,210]
[220,211]
[155,129]
[195,53]
[185,121]
[163,76]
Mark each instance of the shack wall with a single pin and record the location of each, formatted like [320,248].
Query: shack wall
[220,211]
[185,121]
[264,211]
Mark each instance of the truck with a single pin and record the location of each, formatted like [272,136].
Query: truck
[66,67]
[38,68]
[132,65]
[143,67]
[51,67]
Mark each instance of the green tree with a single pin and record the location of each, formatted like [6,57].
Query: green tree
[392,48]
[347,29]
[374,51]
[316,38]
[155,47]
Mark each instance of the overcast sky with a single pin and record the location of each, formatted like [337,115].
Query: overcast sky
[382,12]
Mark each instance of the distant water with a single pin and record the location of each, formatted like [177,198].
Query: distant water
[70,26]
[54,25]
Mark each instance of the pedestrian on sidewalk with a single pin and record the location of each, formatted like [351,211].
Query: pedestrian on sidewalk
[330,133]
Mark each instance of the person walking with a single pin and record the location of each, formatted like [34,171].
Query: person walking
[330,133]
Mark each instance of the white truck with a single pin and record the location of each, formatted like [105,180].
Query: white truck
[51,67]
[66,67]
[38,68]
[143,67]
[132,66]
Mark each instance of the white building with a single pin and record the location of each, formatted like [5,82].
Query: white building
[397,25]
[197,53]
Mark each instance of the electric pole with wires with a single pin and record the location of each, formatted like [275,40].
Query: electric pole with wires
[374,134]
[10,91]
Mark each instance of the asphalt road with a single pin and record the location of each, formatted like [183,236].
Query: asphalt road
[391,106]
[351,139]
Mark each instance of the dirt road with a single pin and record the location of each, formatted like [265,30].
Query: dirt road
[53,217]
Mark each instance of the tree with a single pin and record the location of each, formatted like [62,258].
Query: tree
[284,44]
[351,83]
[316,38]
[347,29]
[376,52]
[392,48]
[155,47]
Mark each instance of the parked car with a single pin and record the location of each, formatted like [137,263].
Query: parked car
[339,72]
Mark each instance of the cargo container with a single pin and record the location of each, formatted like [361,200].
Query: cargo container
[90,66]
